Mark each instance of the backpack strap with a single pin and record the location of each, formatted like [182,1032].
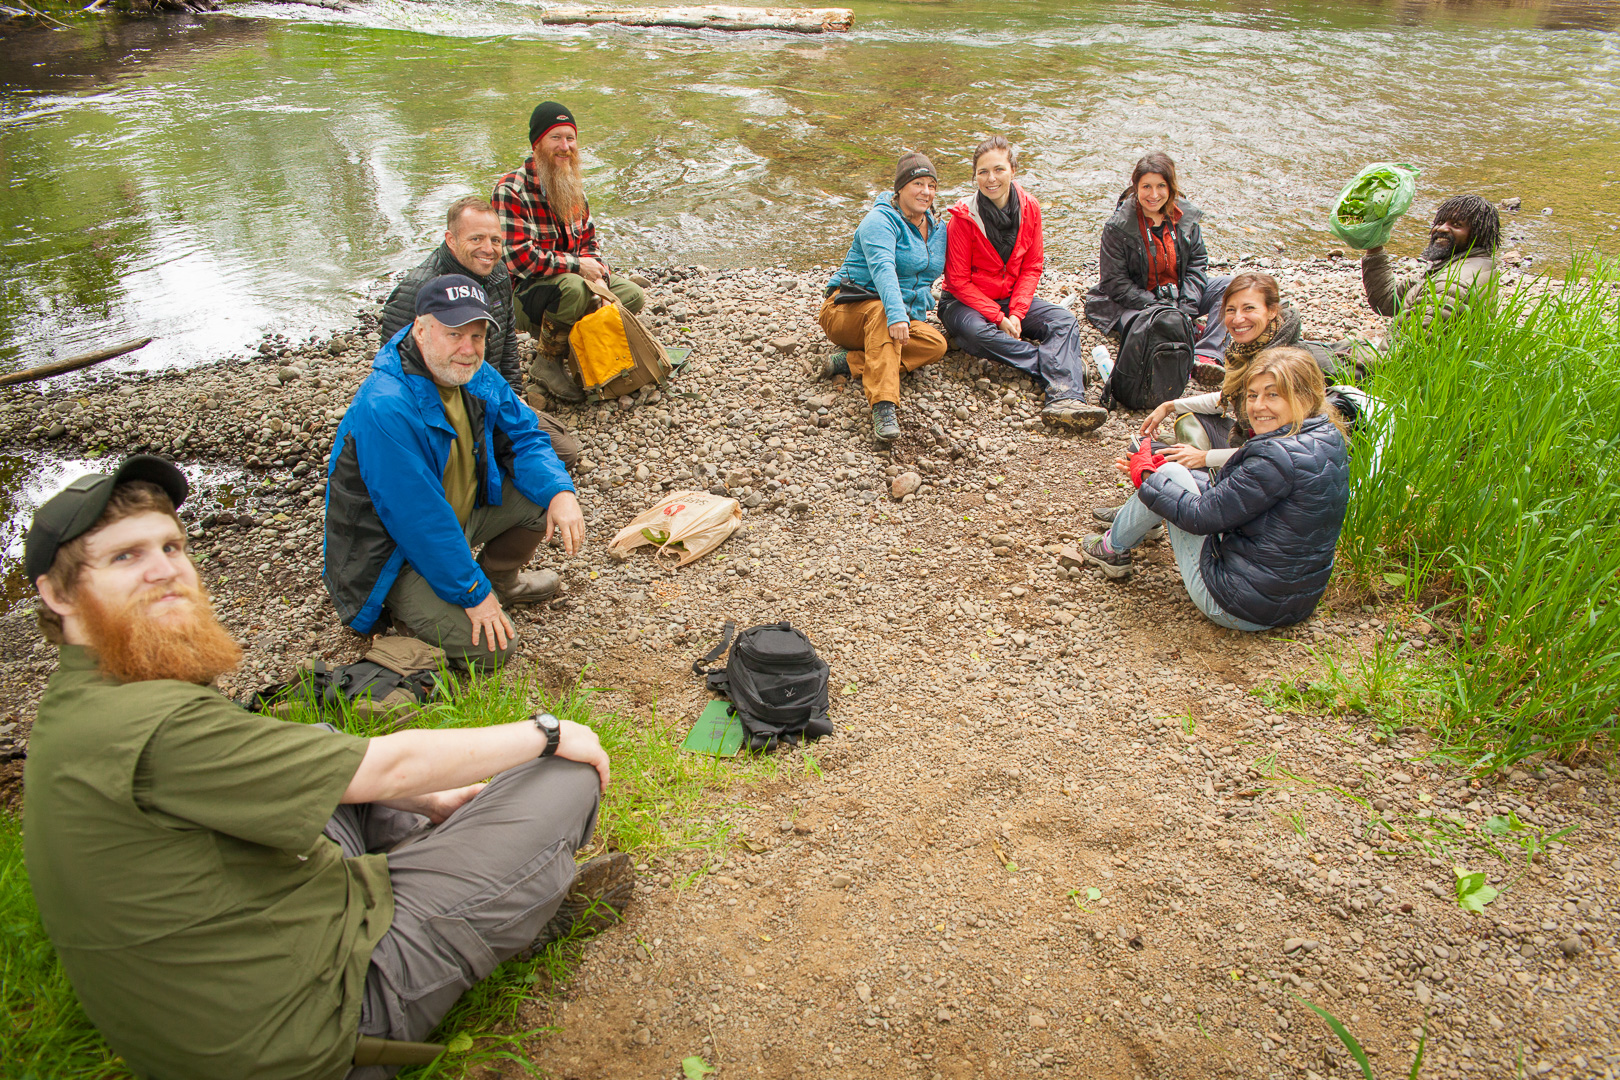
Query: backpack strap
[716,678]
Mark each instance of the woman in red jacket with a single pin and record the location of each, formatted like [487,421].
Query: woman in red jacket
[993,261]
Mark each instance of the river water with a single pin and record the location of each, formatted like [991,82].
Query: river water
[205,179]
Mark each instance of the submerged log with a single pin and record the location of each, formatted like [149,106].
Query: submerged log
[72,363]
[708,17]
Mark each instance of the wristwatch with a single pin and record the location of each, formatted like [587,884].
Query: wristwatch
[551,727]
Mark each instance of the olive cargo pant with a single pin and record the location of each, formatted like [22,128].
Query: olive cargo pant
[568,298]
[874,358]
[510,533]
[468,894]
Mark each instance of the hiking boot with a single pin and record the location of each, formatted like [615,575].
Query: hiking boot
[596,900]
[885,422]
[548,373]
[1106,513]
[1075,413]
[552,339]
[523,587]
[835,365]
[1208,374]
[1115,564]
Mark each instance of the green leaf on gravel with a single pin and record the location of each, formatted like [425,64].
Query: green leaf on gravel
[1502,826]
[1093,894]
[1472,892]
[459,1043]
[695,1068]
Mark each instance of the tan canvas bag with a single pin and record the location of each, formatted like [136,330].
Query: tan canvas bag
[613,352]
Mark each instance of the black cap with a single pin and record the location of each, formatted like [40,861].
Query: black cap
[453,299]
[547,115]
[74,510]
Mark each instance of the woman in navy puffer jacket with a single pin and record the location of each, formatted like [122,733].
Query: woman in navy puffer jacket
[1255,547]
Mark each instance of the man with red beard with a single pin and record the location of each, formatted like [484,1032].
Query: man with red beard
[550,244]
[237,896]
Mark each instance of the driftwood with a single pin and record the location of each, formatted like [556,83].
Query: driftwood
[72,363]
[708,17]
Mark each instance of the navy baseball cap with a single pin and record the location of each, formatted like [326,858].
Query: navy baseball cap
[74,510]
[454,299]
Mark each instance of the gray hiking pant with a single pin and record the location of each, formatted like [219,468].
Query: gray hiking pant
[511,532]
[469,893]
[1131,525]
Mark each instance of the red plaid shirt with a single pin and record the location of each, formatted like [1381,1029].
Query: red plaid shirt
[537,244]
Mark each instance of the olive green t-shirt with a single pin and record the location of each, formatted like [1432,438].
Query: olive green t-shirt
[460,474]
[174,845]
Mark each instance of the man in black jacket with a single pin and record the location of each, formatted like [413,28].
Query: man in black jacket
[472,246]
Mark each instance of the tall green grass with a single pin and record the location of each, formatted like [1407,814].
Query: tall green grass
[661,800]
[1489,490]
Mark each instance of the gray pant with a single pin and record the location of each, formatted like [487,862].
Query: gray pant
[418,609]
[1211,307]
[468,894]
[1132,523]
[1049,350]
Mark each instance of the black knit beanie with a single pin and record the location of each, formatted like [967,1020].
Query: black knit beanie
[912,166]
[547,115]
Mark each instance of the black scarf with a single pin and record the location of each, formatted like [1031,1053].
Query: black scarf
[1000,225]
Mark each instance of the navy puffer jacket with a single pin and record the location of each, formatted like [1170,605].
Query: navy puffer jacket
[1272,516]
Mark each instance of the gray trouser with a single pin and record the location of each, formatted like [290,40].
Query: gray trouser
[1131,524]
[1049,350]
[468,894]
[512,532]
[1212,308]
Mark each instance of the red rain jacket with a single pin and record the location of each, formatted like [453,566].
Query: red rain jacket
[974,272]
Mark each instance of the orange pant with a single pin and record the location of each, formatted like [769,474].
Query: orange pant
[874,357]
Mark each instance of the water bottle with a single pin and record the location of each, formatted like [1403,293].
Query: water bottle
[1104,362]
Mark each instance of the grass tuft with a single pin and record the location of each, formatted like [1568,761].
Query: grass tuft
[1487,492]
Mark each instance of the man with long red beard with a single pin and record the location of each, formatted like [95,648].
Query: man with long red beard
[237,896]
[550,245]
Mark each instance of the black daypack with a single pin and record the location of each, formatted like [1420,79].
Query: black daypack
[776,682]
[393,680]
[1155,360]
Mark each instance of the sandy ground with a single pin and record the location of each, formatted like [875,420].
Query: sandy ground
[1012,734]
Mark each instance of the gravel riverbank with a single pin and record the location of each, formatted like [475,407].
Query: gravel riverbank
[1010,730]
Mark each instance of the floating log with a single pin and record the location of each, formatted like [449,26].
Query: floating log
[708,17]
[72,363]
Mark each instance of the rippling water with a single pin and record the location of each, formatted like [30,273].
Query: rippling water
[207,179]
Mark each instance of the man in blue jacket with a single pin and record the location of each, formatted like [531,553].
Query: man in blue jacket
[435,457]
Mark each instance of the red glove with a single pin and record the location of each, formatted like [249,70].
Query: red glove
[1144,461]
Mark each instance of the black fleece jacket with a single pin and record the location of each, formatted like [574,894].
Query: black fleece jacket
[1123,265]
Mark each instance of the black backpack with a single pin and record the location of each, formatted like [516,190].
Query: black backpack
[392,681]
[1155,360]
[776,682]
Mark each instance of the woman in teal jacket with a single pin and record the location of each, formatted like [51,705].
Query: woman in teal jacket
[878,300]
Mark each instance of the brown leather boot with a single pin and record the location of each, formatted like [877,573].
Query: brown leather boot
[503,560]
[523,586]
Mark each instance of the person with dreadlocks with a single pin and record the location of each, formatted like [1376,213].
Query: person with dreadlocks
[1462,260]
